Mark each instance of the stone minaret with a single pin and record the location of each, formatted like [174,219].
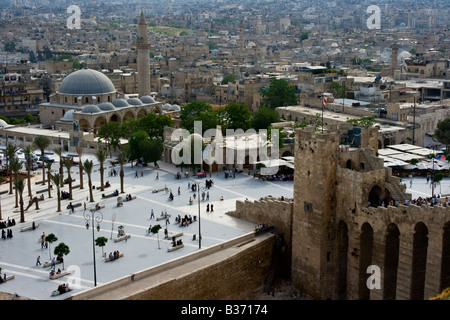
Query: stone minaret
[143,59]
[394,58]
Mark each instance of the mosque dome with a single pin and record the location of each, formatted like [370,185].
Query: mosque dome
[175,108]
[120,103]
[166,106]
[68,116]
[134,102]
[147,99]
[86,81]
[90,108]
[3,123]
[106,106]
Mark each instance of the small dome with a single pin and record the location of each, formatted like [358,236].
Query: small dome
[106,106]
[120,103]
[175,108]
[147,99]
[68,116]
[3,123]
[166,106]
[90,108]
[134,102]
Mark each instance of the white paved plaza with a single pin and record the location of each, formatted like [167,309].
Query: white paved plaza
[141,251]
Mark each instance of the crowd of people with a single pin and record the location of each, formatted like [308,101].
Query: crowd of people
[114,255]
[8,234]
[428,201]
[8,223]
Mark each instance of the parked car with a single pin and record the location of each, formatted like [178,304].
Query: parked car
[46,159]
[39,164]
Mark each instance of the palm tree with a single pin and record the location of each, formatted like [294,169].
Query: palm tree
[101,155]
[48,165]
[15,165]
[56,179]
[28,151]
[42,143]
[87,166]
[68,162]
[19,185]
[10,153]
[80,165]
[59,151]
[122,159]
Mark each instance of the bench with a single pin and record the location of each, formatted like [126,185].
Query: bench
[75,205]
[42,191]
[57,293]
[49,263]
[162,217]
[159,190]
[110,195]
[107,259]
[97,208]
[132,198]
[27,228]
[59,275]
[170,249]
[176,235]
[127,236]
[4,192]
[8,278]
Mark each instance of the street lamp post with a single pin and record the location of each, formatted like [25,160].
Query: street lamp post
[92,216]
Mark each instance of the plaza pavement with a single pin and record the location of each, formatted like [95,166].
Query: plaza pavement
[141,251]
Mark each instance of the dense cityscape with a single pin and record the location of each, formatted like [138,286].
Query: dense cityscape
[344,99]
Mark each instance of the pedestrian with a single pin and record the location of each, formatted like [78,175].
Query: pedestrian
[136,175]
[53,262]
[212,207]
[167,219]
[84,206]
[42,242]
[179,191]
[166,234]
[207,196]
[207,207]
[38,260]
[142,172]
[152,214]
[157,175]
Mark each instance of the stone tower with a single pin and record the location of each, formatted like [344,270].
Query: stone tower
[394,58]
[314,212]
[143,60]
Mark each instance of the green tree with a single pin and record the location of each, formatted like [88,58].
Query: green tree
[264,117]
[59,150]
[363,122]
[19,185]
[56,179]
[236,116]
[79,150]
[50,239]
[153,124]
[48,165]
[101,156]
[122,158]
[68,163]
[15,165]
[87,167]
[442,132]
[229,78]
[110,133]
[10,153]
[28,152]
[42,143]
[61,250]
[198,111]
[280,93]
[155,230]
[101,242]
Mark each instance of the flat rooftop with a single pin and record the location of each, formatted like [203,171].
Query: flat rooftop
[141,251]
